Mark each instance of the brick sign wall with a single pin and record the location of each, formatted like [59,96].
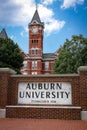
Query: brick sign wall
[44,96]
[18,82]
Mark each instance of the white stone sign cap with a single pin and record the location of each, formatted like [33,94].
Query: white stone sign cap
[82,68]
[7,70]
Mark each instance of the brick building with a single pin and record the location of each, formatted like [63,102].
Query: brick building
[37,62]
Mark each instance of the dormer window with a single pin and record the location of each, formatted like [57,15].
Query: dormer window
[35,22]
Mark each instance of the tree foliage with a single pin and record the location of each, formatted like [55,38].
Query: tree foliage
[10,55]
[73,54]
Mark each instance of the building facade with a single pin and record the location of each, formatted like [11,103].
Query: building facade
[37,62]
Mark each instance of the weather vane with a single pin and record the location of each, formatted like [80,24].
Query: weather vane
[36,5]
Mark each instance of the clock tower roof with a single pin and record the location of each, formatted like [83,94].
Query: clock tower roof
[36,18]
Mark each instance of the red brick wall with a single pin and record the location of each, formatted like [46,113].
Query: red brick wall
[14,80]
[43,113]
[83,87]
[4,79]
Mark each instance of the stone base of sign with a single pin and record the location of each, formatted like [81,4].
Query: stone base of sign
[44,112]
[2,113]
[84,115]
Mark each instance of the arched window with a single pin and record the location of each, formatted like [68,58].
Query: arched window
[34,64]
[25,65]
[46,65]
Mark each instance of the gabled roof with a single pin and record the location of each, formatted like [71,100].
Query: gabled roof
[47,56]
[3,34]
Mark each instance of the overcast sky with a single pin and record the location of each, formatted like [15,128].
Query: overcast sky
[62,18]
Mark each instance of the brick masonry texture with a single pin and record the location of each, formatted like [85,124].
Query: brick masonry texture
[9,95]
[44,113]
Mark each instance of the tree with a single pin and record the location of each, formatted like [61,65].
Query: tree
[10,55]
[73,54]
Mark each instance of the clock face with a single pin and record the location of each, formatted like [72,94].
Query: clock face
[34,30]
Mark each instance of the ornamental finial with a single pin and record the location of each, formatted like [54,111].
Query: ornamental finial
[36,6]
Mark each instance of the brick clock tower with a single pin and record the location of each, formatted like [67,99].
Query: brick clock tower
[36,62]
[36,28]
